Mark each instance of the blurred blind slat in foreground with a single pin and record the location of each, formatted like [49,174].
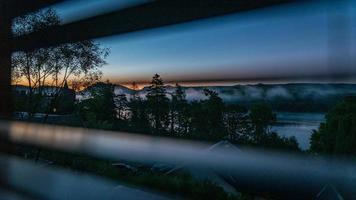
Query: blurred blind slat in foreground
[40,182]
[247,169]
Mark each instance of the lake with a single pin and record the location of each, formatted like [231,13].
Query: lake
[299,125]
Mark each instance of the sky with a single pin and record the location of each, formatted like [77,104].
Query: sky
[312,42]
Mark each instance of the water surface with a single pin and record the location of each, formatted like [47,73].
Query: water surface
[299,125]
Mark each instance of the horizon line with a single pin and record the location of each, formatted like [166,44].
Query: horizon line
[142,85]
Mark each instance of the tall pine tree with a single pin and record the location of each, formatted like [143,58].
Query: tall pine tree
[179,112]
[138,112]
[158,105]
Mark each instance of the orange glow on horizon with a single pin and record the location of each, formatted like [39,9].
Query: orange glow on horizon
[141,85]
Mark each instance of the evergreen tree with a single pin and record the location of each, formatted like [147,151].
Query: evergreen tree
[158,104]
[179,112]
[121,105]
[237,124]
[338,134]
[215,110]
[198,118]
[262,117]
[208,115]
[99,111]
[138,112]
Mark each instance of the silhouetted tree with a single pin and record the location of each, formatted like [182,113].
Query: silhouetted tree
[237,123]
[198,119]
[138,112]
[66,100]
[100,110]
[179,112]
[53,66]
[158,104]
[338,134]
[207,116]
[275,141]
[121,105]
[262,117]
[215,110]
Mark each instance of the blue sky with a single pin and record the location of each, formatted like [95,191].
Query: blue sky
[293,43]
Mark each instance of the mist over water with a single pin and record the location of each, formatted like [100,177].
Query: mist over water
[264,91]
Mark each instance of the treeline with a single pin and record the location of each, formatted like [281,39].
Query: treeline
[337,136]
[170,114]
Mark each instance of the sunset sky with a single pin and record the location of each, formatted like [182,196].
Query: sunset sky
[292,43]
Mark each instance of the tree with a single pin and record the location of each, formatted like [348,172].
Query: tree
[208,115]
[54,66]
[66,99]
[35,66]
[262,117]
[237,124]
[158,104]
[275,141]
[138,111]
[215,113]
[121,105]
[338,134]
[100,110]
[198,126]
[179,112]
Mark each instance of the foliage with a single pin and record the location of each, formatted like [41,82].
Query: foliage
[237,124]
[53,67]
[274,141]
[262,117]
[158,104]
[179,112]
[209,119]
[338,134]
[207,116]
[139,115]
[99,111]
[65,101]
[121,104]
